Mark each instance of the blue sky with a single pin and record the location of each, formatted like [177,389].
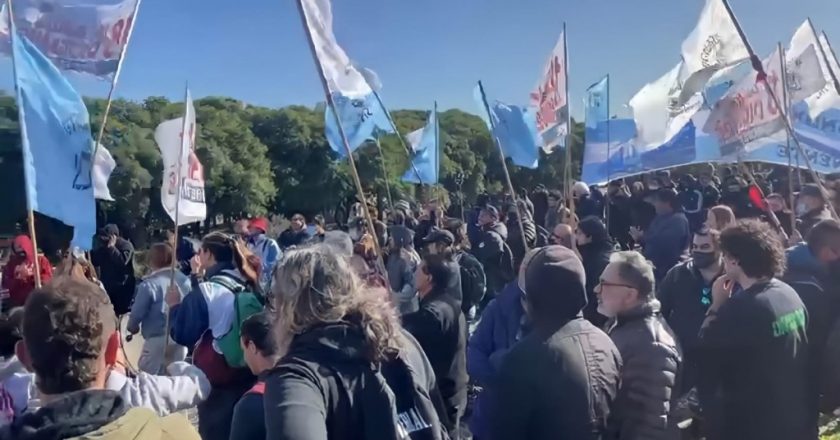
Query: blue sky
[255,50]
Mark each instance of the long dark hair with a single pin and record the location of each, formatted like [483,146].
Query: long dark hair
[227,249]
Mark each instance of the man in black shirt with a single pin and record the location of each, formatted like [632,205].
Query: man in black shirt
[753,346]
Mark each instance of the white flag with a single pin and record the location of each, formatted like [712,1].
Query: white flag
[805,78]
[341,75]
[747,116]
[712,46]
[827,97]
[103,165]
[414,138]
[183,174]
[548,99]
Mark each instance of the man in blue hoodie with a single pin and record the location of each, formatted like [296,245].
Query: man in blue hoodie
[812,270]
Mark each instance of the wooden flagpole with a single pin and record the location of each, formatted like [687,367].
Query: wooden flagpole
[123,51]
[385,174]
[30,215]
[356,180]
[186,137]
[504,167]
[762,76]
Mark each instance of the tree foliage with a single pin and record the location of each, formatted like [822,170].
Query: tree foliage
[261,160]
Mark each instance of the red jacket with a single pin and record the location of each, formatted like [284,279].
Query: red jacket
[14,278]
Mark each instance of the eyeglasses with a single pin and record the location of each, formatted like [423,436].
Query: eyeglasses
[603,283]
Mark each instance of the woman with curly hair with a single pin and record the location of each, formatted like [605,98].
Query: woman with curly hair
[348,370]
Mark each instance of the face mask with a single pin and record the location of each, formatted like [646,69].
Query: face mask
[704,259]
[801,209]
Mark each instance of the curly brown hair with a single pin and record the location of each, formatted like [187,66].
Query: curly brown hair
[756,247]
[66,327]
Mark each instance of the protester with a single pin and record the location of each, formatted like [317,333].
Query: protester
[349,371]
[667,239]
[711,194]
[686,294]
[263,247]
[541,204]
[555,203]
[295,234]
[363,261]
[440,328]
[69,338]
[19,271]
[619,213]
[561,380]
[585,204]
[664,179]
[401,265]
[720,217]
[691,199]
[115,260]
[206,315]
[642,213]
[502,325]
[649,352]
[184,249]
[594,246]
[320,228]
[563,235]
[147,313]
[813,270]
[14,378]
[240,229]
[754,348]
[493,253]
[261,353]
[810,208]
[473,278]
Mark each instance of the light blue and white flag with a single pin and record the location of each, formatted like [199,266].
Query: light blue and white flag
[598,102]
[514,127]
[56,141]
[803,39]
[357,107]
[426,160]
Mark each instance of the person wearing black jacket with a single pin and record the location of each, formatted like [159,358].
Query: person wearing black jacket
[440,328]
[350,371]
[489,249]
[261,353]
[295,234]
[649,350]
[114,259]
[686,294]
[595,248]
[753,345]
[619,213]
[561,380]
[813,270]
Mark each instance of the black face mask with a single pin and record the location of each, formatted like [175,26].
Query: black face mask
[703,260]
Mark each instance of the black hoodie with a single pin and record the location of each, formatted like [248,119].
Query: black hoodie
[325,388]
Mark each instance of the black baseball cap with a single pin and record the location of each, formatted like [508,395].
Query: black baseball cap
[440,236]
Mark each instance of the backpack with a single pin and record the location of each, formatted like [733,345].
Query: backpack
[473,279]
[245,305]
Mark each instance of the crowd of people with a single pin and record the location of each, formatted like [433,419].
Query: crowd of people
[653,309]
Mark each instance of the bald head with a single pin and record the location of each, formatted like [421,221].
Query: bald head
[562,235]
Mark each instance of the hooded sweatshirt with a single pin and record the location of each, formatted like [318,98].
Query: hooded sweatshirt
[402,262]
[100,414]
[489,252]
[18,283]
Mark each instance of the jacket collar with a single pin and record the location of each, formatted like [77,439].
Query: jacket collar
[72,415]
[641,311]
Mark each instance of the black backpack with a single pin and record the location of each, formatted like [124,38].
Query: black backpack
[473,279]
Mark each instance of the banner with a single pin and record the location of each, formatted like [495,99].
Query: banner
[548,99]
[86,38]
[56,142]
[827,97]
[103,165]
[513,127]
[183,175]
[713,45]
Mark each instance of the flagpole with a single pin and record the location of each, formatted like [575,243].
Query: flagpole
[825,57]
[762,77]
[609,170]
[786,115]
[399,136]
[385,174]
[123,51]
[178,184]
[30,215]
[831,51]
[567,167]
[437,154]
[504,166]
[355,173]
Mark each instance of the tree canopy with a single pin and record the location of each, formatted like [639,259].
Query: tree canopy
[261,160]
